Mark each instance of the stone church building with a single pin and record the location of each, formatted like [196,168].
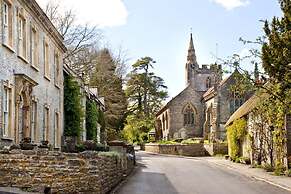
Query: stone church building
[203,107]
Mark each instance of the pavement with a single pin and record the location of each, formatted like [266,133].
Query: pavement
[164,174]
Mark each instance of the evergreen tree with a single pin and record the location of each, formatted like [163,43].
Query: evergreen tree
[145,92]
[109,85]
[276,52]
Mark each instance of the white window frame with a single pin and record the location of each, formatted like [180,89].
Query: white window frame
[34,120]
[6,111]
[34,48]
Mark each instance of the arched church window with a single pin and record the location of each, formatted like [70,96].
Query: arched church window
[189,115]
[208,82]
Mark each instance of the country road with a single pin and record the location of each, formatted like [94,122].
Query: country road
[159,174]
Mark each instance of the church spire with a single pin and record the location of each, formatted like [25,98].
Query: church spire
[191,58]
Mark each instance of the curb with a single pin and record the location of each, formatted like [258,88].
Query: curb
[252,176]
[124,181]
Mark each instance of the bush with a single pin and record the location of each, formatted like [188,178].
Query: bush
[164,142]
[288,173]
[279,169]
[80,148]
[268,167]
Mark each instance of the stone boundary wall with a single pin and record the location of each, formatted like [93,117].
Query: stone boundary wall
[86,172]
[216,148]
[194,150]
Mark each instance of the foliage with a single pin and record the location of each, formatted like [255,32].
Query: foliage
[73,110]
[268,167]
[145,92]
[279,169]
[136,129]
[101,121]
[165,142]
[235,134]
[144,89]
[109,84]
[91,119]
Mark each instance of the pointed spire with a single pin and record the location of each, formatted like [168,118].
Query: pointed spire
[191,58]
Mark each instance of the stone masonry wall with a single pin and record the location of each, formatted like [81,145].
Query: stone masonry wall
[179,149]
[87,172]
[194,150]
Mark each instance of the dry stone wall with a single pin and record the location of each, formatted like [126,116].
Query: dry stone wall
[195,150]
[86,172]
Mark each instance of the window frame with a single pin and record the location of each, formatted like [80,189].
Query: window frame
[34,47]
[7,24]
[46,60]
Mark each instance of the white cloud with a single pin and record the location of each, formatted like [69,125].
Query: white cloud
[104,13]
[231,4]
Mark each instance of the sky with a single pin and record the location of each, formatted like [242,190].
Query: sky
[161,29]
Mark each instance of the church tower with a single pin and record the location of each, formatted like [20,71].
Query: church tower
[191,64]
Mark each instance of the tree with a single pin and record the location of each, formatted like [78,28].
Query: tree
[145,92]
[80,40]
[110,85]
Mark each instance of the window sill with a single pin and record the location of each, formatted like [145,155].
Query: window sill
[8,47]
[23,59]
[58,86]
[35,68]
[47,78]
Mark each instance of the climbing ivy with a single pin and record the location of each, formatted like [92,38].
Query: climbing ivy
[235,134]
[73,110]
[91,119]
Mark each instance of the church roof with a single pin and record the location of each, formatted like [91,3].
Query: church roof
[168,103]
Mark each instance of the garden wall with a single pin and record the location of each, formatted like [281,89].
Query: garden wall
[197,149]
[86,172]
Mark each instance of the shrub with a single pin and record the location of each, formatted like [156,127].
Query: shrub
[288,173]
[279,169]
[163,142]
[268,167]
[80,148]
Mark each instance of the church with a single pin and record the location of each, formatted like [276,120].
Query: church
[203,107]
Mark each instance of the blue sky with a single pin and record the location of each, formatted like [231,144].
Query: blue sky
[160,29]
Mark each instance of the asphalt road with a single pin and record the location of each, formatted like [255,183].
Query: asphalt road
[173,174]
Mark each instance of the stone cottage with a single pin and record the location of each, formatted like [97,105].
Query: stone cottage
[203,107]
[258,144]
[31,78]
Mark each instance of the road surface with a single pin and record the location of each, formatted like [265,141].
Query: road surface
[159,174]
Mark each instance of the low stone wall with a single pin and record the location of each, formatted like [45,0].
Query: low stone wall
[86,172]
[216,148]
[177,149]
[194,150]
